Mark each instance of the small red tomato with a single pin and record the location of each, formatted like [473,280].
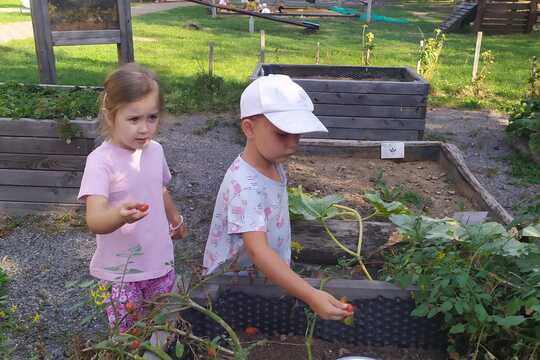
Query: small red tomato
[130,307]
[349,308]
[142,207]
[251,330]
[212,352]
[135,344]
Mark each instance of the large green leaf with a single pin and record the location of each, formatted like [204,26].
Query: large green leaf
[532,231]
[509,321]
[385,208]
[309,207]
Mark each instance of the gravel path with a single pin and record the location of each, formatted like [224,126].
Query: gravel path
[43,254]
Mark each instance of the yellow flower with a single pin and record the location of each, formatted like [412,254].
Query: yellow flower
[100,295]
[296,246]
[2,314]
[440,255]
[36,318]
[13,308]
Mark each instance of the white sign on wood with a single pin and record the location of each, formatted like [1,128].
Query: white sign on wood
[392,150]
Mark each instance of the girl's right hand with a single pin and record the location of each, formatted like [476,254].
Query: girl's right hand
[327,307]
[132,211]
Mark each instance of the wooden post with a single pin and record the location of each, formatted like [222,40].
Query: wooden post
[532,15]
[43,41]
[368,16]
[318,54]
[213,10]
[419,62]
[477,54]
[125,47]
[479,15]
[263,48]
[251,24]
[210,59]
[534,77]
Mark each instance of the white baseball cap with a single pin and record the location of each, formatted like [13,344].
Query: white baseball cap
[284,103]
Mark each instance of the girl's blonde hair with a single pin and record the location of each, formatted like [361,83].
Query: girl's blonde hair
[129,83]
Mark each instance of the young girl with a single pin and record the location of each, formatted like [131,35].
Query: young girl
[127,203]
[251,216]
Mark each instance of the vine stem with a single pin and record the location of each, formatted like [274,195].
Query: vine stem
[358,253]
[212,315]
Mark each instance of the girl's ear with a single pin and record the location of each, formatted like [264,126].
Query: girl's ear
[247,126]
[108,118]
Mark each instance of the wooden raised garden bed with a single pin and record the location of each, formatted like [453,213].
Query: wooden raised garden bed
[361,103]
[382,319]
[40,171]
[382,322]
[435,167]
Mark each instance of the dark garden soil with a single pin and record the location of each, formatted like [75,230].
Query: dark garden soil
[293,348]
[351,177]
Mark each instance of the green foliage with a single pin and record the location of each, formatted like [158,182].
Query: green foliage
[20,101]
[368,44]
[524,169]
[528,211]
[397,193]
[525,122]
[429,53]
[308,207]
[5,316]
[480,279]
[478,88]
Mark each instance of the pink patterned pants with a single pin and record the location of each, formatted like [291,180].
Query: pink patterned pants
[136,293]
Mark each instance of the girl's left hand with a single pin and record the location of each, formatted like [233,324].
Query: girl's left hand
[178,231]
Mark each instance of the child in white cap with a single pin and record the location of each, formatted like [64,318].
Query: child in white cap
[251,214]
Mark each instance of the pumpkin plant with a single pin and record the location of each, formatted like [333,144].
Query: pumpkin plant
[482,280]
[304,206]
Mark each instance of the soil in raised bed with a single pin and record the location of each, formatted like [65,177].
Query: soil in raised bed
[351,176]
[293,348]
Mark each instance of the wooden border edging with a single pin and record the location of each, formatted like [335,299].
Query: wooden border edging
[448,156]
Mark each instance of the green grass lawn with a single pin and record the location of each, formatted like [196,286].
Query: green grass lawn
[6,18]
[12,16]
[10,3]
[178,54]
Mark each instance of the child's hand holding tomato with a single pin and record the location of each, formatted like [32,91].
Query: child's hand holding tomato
[132,211]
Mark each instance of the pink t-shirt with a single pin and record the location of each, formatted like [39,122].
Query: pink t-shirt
[123,175]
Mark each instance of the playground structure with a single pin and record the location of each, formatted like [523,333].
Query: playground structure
[306,8]
[306,24]
[495,16]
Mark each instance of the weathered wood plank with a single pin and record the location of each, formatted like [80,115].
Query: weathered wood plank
[372,123]
[20,208]
[86,37]
[363,87]
[38,194]
[368,134]
[367,99]
[466,183]
[417,112]
[44,128]
[318,248]
[31,145]
[125,46]
[43,41]
[352,289]
[414,150]
[42,162]
[40,178]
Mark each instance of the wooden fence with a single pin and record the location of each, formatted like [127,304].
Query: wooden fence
[506,16]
